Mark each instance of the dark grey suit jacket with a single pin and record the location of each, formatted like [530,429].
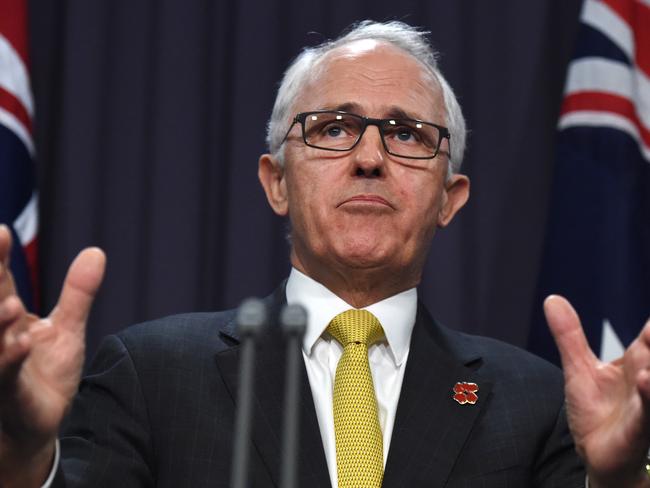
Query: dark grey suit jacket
[157,409]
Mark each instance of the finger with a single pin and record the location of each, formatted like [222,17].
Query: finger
[12,314]
[15,341]
[575,353]
[643,386]
[5,244]
[7,285]
[644,335]
[637,357]
[12,358]
[6,281]
[79,289]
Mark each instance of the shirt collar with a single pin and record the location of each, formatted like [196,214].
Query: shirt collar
[396,313]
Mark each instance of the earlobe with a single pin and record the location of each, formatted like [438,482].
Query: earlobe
[455,197]
[271,175]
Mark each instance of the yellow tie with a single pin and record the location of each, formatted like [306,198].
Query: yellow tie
[359,441]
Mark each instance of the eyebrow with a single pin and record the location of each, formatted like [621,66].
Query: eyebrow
[346,107]
[399,113]
[394,112]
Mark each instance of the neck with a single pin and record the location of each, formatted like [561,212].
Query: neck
[360,287]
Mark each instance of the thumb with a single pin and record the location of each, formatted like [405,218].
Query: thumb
[79,289]
[569,337]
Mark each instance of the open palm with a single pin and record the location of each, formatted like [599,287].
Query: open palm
[41,358]
[608,404]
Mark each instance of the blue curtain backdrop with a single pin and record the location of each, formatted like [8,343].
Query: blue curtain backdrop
[151,118]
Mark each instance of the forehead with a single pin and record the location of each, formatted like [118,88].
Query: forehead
[376,77]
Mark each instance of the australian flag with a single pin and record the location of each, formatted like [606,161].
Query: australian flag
[18,198]
[597,250]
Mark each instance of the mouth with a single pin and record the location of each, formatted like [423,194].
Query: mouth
[370,200]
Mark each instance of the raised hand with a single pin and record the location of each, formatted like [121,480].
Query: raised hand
[608,404]
[40,365]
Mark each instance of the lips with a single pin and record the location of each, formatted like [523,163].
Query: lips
[369,199]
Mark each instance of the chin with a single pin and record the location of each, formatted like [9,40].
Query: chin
[364,258]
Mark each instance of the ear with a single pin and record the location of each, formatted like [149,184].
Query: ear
[455,196]
[271,175]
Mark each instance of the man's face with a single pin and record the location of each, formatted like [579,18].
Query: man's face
[364,210]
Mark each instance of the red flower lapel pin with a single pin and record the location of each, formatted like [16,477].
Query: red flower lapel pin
[465,393]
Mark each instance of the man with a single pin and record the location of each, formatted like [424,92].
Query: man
[365,141]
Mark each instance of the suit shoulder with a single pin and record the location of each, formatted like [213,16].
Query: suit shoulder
[180,335]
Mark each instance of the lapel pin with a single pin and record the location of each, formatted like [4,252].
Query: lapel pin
[465,393]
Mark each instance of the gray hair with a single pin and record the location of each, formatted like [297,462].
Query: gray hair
[409,39]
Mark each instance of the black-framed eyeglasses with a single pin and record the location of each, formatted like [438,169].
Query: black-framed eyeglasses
[334,130]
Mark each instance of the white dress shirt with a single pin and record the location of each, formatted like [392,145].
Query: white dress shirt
[322,353]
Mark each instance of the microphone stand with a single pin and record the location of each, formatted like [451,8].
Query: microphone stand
[293,320]
[251,319]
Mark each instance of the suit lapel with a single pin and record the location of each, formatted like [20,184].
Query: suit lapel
[430,427]
[268,413]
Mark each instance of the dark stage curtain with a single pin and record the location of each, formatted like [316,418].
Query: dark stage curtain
[151,118]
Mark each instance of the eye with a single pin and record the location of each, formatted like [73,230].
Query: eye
[405,134]
[333,130]
[410,133]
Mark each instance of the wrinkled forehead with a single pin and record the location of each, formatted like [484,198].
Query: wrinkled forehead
[383,59]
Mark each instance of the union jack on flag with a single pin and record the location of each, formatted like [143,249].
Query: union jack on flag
[597,250]
[18,198]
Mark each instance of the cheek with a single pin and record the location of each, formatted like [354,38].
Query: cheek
[423,205]
[307,200]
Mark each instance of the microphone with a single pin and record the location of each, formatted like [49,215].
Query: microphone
[251,319]
[293,320]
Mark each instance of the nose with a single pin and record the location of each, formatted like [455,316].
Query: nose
[369,156]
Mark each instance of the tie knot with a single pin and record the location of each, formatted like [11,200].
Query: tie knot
[358,326]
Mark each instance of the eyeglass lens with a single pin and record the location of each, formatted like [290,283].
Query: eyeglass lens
[402,137]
